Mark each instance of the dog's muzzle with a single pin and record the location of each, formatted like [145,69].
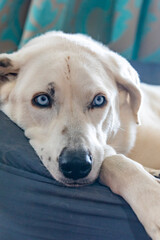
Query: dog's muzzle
[75,164]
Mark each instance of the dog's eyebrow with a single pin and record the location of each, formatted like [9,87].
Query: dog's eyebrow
[51,88]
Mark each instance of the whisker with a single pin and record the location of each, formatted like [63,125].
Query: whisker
[122,129]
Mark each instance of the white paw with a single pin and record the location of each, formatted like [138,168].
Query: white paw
[150,212]
[154,172]
[154,231]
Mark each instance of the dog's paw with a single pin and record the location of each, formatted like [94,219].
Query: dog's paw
[154,172]
[158,180]
[149,214]
[139,188]
[155,232]
[153,229]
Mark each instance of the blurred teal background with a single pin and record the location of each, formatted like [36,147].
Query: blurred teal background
[130,27]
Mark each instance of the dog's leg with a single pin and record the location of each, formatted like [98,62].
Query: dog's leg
[154,172]
[140,189]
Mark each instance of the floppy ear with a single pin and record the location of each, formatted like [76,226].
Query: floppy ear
[8,69]
[127,78]
[8,74]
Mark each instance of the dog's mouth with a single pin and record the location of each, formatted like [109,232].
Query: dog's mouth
[77,183]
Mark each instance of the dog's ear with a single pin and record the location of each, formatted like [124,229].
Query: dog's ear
[126,78]
[8,69]
[8,75]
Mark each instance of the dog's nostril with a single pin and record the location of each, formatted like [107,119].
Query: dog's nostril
[75,164]
[65,167]
[84,170]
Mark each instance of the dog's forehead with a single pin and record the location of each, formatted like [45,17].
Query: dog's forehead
[71,72]
[64,65]
[67,63]
[55,50]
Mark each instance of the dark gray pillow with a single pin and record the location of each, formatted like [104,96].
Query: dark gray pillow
[33,206]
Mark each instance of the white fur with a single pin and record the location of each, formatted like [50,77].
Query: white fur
[80,68]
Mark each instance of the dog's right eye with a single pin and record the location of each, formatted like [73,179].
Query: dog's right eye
[98,101]
[42,100]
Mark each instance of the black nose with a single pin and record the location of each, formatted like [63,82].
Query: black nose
[75,164]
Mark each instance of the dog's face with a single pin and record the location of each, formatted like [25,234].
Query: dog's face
[68,93]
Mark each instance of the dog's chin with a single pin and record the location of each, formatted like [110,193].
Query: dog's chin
[75,183]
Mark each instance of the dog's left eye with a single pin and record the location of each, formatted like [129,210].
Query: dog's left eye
[42,100]
[99,101]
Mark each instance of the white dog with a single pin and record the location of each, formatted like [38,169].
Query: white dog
[79,104]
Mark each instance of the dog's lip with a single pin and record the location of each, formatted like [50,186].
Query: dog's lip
[77,183]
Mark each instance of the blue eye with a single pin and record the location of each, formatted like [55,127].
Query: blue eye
[42,100]
[99,101]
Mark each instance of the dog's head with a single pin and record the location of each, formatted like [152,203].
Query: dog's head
[75,99]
